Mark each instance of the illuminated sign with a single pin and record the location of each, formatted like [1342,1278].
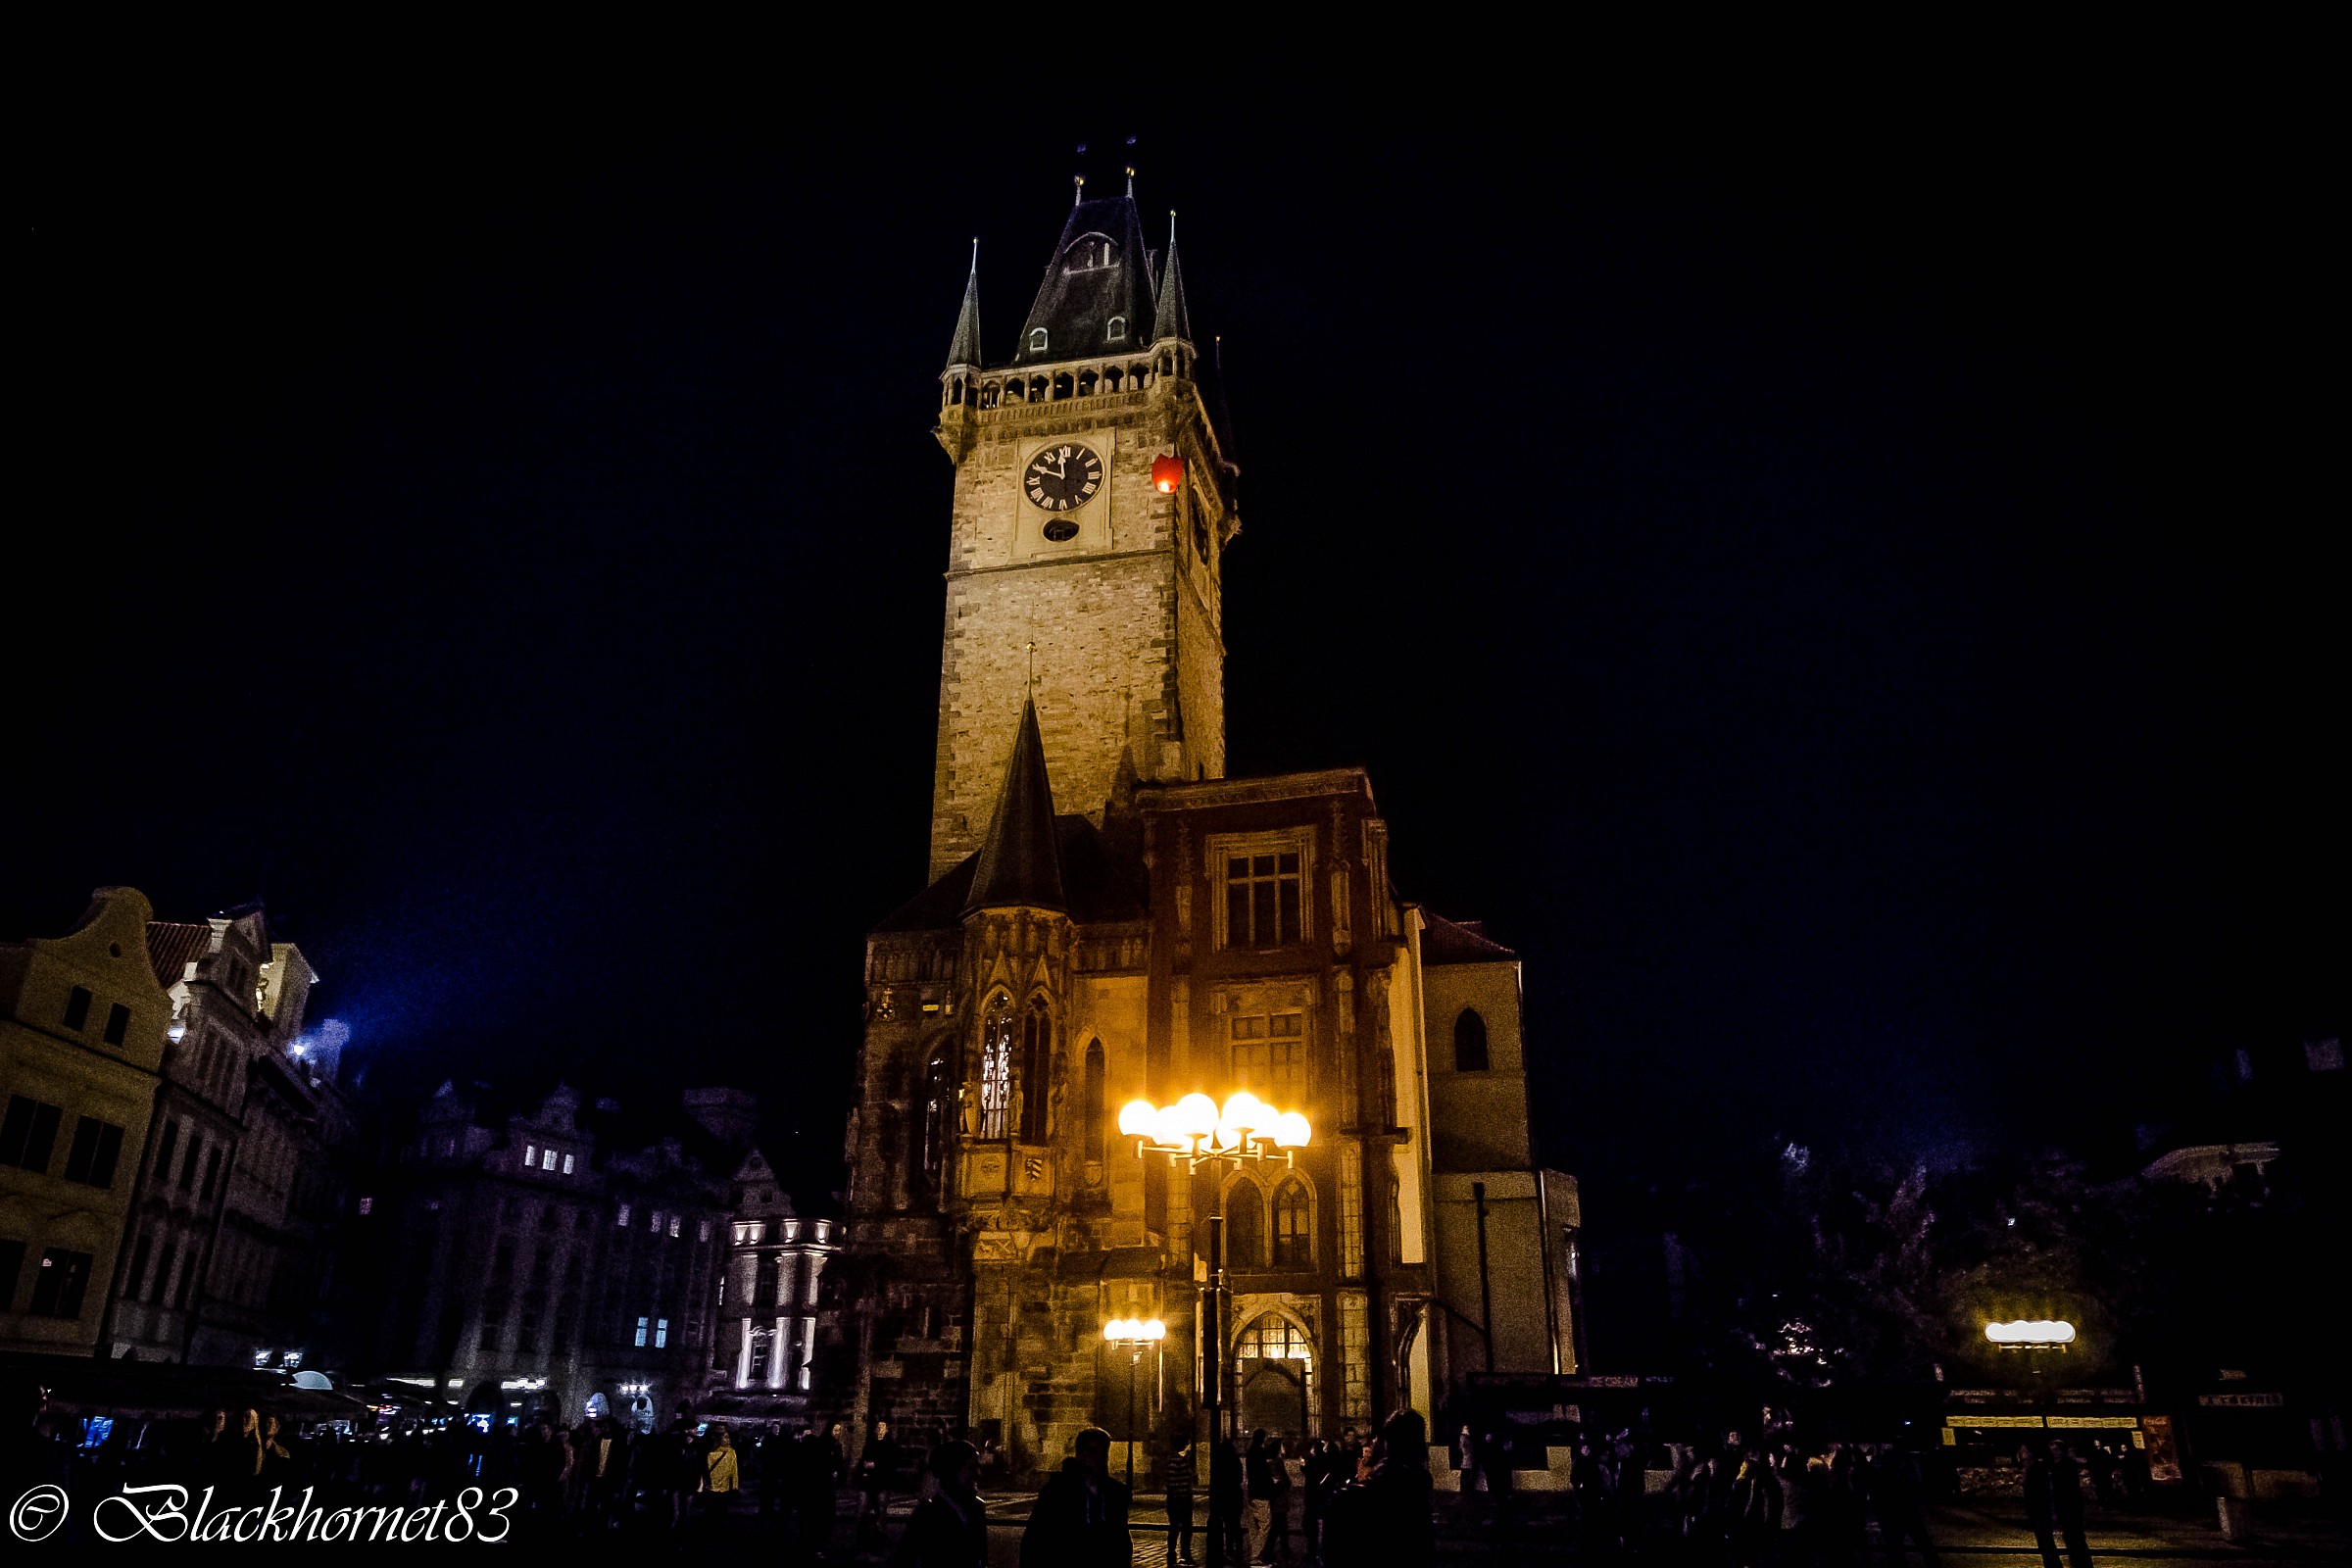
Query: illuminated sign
[2033,1333]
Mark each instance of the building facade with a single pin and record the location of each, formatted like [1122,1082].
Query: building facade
[230,1257]
[1111,918]
[762,1358]
[81,1047]
[539,1262]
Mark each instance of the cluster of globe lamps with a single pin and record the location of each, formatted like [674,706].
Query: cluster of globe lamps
[1197,1128]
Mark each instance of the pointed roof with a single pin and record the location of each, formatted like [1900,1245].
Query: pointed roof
[1020,860]
[965,349]
[1172,319]
[1101,274]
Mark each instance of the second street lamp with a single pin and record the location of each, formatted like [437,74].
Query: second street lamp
[1134,1334]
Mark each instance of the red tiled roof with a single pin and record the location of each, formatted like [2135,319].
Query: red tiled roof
[1463,942]
[172,945]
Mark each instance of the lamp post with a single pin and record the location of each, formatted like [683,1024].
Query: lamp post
[1134,1334]
[1194,1132]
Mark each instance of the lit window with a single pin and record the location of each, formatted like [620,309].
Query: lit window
[702,1231]
[995,1072]
[1274,1339]
[641,1333]
[547,1159]
[530,1156]
[566,1164]
[656,1222]
[366,1206]
[1263,900]
[673,1225]
[660,1332]
[625,1215]
[1269,1055]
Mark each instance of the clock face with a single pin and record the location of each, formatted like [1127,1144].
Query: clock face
[1062,477]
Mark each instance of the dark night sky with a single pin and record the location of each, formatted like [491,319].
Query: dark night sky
[1844,595]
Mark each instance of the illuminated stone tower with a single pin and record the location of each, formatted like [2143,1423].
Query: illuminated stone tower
[1071,578]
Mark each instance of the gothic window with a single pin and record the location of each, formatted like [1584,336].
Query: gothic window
[1269,1055]
[995,1072]
[1469,1042]
[1086,384]
[1111,378]
[1117,330]
[1274,1339]
[1091,1108]
[1037,1056]
[1244,1225]
[1294,1245]
[938,1117]
[1263,899]
[1061,385]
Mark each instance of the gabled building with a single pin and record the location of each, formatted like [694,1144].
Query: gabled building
[1111,917]
[81,1046]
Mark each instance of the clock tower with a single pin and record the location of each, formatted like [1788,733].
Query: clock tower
[1075,577]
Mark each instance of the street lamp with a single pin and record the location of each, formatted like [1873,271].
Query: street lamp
[2031,1334]
[1194,1132]
[1134,1334]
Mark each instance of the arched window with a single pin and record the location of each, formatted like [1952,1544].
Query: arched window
[1014,392]
[1037,387]
[1469,1042]
[1111,378]
[1091,1108]
[1274,1339]
[937,1112]
[1037,1056]
[996,1071]
[1117,330]
[1244,1225]
[1037,341]
[1086,384]
[1061,385]
[1294,1233]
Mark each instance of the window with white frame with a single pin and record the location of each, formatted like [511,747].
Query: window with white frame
[623,1220]
[530,1156]
[567,1164]
[640,1328]
[996,1071]
[547,1159]
[661,1334]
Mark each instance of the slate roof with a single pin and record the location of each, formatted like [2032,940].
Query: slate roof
[1075,303]
[1171,319]
[1020,860]
[1096,885]
[174,945]
[1446,941]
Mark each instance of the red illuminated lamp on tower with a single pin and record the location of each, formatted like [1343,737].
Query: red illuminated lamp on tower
[1167,472]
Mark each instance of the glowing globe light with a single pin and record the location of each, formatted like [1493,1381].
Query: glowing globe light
[1228,1136]
[2031,1331]
[1135,1118]
[1289,1130]
[1197,1114]
[1116,1329]
[1168,1129]
[1152,1329]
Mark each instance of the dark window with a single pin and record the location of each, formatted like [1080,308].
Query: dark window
[527,1336]
[1469,1042]
[188,1164]
[1037,1055]
[939,1117]
[97,1145]
[163,1275]
[57,1288]
[164,1146]
[187,1276]
[11,1264]
[1262,894]
[139,1269]
[28,1135]
[761,1352]
[77,1008]
[1091,1108]
[117,1023]
[212,1169]
[1244,1226]
[1292,1243]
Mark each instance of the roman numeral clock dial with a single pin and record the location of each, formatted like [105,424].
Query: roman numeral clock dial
[1060,478]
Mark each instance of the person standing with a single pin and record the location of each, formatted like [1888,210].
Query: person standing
[1278,1502]
[1225,1494]
[949,1527]
[1902,1506]
[1180,1505]
[1384,1521]
[2049,1483]
[877,1469]
[722,1472]
[1257,1468]
[1080,1517]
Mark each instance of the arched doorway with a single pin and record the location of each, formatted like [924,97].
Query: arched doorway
[1274,1365]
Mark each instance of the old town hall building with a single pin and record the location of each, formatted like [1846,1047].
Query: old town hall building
[1110,916]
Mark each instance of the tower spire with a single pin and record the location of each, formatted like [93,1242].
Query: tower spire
[1020,860]
[1171,319]
[965,349]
